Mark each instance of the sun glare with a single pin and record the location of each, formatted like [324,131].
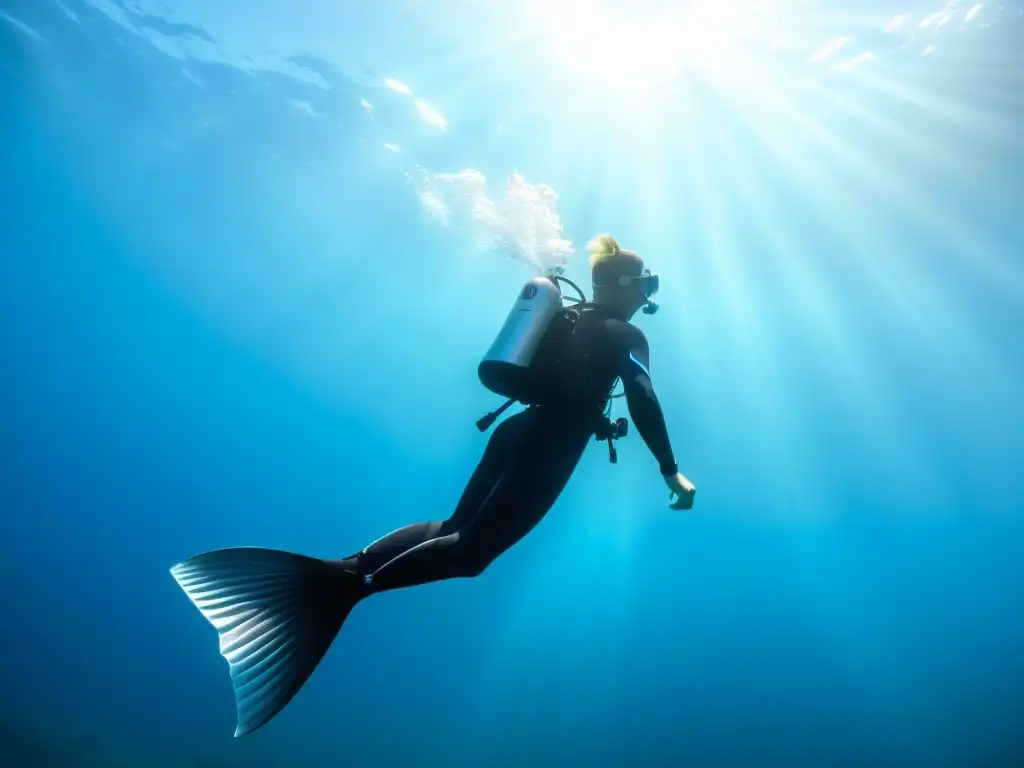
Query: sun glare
[641,51]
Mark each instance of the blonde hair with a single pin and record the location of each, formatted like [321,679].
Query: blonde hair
[609,262]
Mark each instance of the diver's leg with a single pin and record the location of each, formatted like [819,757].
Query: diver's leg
[391,545]
[484,478]
[529,487]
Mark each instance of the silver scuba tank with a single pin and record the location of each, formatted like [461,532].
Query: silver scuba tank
[505,368]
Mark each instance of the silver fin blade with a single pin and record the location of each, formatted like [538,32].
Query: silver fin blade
[277,613]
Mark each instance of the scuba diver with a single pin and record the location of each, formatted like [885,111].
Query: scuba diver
[277,613]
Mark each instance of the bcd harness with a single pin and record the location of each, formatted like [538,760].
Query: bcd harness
[563,360]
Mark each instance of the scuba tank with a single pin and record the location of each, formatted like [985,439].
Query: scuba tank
[524,357]
[507,368]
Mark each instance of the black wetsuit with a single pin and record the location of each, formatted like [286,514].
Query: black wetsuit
[527,462]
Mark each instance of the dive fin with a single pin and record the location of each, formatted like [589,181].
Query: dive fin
[277,613]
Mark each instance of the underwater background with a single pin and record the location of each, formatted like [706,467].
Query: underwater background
[251,253]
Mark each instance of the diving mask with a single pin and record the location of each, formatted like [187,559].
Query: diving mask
[649,284]
[649,281]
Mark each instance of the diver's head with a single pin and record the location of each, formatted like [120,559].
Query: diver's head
[619,277]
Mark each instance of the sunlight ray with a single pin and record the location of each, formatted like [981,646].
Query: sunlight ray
[803,295]
[915,202]
[912,286]
[783,141]
[986,126]
[922,146]
[769,410]
[855,376]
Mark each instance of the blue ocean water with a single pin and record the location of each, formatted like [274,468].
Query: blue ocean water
[246,278]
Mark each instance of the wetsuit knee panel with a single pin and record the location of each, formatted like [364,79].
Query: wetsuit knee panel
[469,555]
[470,568]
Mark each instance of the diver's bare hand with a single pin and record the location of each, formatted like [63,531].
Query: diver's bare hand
[682,491]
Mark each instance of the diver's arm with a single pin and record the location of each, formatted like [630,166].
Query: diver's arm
[650,420]
[643,404]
